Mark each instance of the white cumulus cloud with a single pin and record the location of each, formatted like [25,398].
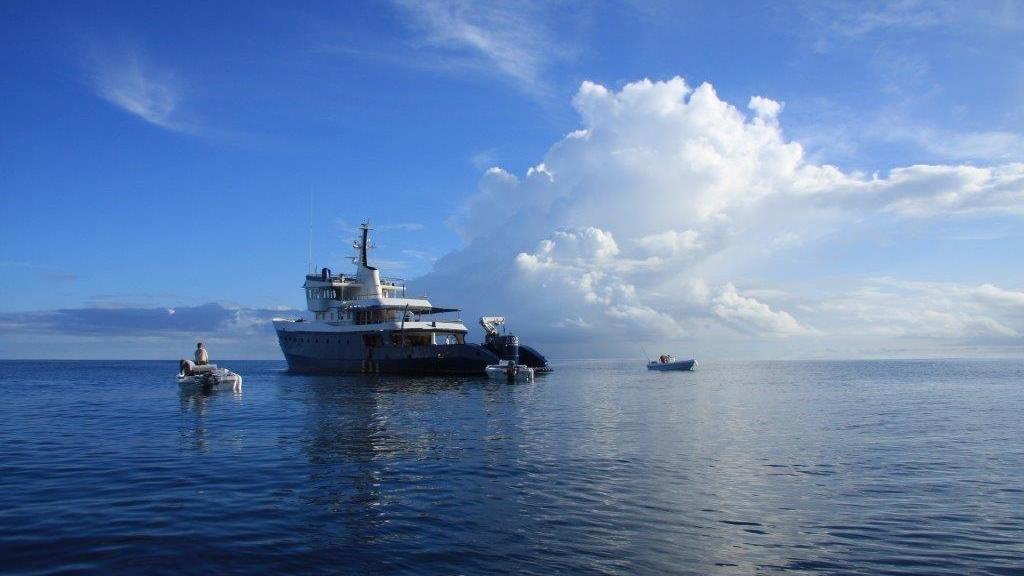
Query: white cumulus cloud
[642,221]
[748,313]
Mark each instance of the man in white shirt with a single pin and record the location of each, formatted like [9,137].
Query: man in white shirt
[201,356]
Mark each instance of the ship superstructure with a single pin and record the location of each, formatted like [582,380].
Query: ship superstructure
[366,323]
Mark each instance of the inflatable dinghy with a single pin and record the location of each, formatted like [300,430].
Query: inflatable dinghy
[207,377]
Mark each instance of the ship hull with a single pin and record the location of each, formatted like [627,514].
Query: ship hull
[331,353]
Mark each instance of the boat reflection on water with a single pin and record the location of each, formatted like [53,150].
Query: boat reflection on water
[195,403]
[363,469]
[379,449]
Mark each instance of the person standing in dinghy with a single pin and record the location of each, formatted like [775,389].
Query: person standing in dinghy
[202,358]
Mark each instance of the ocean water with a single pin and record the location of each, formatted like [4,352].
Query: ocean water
[873,467]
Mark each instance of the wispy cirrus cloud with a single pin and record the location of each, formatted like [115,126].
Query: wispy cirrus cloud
[904,45]
[511,40]
[979,145]
[856,20]
[853,20]
[128,80]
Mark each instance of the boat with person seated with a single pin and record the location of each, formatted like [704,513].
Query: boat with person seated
[510,371]
[207,377]
[668,363]
[365,323]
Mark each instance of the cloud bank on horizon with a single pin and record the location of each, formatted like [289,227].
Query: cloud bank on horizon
[136,332]
[653,220]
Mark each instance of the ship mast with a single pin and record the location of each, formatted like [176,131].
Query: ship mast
[368,276]
[365,226]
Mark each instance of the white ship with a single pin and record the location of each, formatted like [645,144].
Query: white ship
[366,323]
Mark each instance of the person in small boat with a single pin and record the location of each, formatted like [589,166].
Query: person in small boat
[511,370]
[202,358]
[663,358]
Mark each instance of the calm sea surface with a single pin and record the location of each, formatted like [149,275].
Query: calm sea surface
[908,467]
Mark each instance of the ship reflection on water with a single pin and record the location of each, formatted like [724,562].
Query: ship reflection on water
[378,449]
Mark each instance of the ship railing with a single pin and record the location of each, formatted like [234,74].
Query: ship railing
[333,278]
[398,320]
[398,283]
[389,281]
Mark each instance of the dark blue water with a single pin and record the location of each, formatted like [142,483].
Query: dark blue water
[909,467]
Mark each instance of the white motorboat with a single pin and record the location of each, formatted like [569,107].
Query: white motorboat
[208,377]
[510,371]
[667,363]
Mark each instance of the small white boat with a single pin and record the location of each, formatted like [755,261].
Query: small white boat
[666,363]
[208,377]
[510,371]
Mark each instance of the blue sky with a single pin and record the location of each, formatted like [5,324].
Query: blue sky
[162,156]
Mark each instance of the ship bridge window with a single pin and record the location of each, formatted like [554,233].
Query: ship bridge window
[374,316]
[321,293]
